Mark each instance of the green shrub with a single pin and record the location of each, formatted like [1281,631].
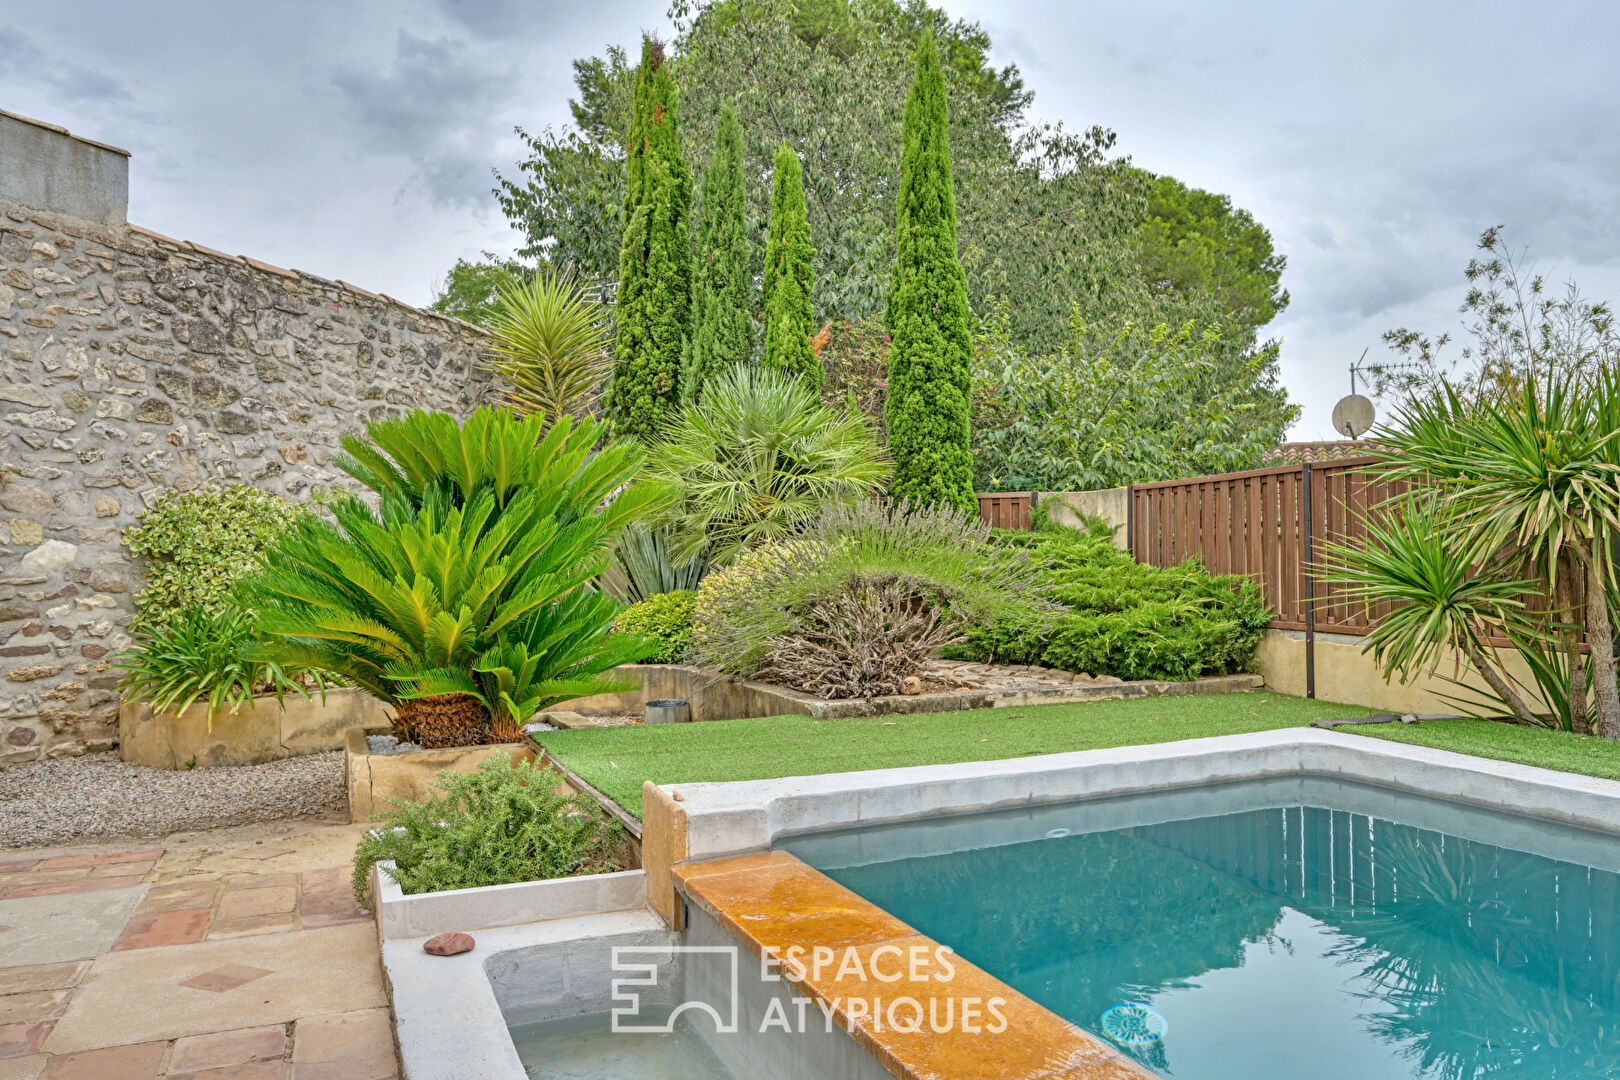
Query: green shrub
[500,824]
[197,544]
[1121,617]
[200,656]
[665,618]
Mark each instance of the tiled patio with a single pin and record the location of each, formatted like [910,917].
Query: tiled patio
[236,957]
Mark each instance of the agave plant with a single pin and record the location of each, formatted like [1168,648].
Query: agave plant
[643,568]
[551,345]
[462,597]
[203,656]
[757,459]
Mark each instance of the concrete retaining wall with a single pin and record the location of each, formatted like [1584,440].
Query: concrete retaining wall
[266,732]
[372,779]
[1113,505]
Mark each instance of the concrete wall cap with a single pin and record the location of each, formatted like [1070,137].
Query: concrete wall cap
[59,129]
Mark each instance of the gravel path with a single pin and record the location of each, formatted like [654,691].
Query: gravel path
[96,795]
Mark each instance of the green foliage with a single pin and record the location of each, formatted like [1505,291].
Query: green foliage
[643,567]
[550,345]
[722,327]
[930,381]
[469,577]
[1120,405]
[503,823]
[944,558]
[789,274]
[757,458]
[664,618]
[200,655]
[655,263]
[1196,241]
[1123,618]
[197,544]
[471,290]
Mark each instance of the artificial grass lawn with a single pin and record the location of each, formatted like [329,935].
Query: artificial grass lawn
[617,760]
[1585,754]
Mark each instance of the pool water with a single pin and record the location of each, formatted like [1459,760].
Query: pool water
[1323,930]
[586,1048]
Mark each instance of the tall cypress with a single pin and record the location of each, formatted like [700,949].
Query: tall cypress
[655,262]
[789,275]
[930,381]
[722,326]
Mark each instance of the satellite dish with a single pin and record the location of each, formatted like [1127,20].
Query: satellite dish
[1353,416]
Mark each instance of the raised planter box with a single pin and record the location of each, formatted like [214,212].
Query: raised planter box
[714,696]
[267,732]
[470,910]
[371,779]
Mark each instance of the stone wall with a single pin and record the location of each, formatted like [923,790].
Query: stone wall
[131,364]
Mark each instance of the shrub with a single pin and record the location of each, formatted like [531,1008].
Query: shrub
[1120,617]
[200,656]
[665,618]
[500,824]
[642,567]
[197,544]
[854,604]
[550,344]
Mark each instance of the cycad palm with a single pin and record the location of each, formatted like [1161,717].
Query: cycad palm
[551,345]
[758,458]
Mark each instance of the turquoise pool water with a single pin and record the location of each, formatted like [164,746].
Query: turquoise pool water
[1278,930]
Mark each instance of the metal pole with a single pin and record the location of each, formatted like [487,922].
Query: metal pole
[1310,584]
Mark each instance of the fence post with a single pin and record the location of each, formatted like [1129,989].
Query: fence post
[1130,519]
[1307,527]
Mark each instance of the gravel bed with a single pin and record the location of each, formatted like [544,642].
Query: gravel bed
[97,795]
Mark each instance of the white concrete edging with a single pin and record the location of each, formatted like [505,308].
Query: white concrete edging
[425,914]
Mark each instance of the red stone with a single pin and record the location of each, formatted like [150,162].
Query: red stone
[448,944]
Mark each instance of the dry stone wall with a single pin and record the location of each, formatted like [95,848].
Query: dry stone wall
[131,364]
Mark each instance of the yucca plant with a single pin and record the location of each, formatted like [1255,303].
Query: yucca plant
[1534,473]
[757,458]
[462,596]
[643,568]
[552,345]
[201,656]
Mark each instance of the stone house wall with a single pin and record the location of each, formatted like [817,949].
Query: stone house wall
[131,364]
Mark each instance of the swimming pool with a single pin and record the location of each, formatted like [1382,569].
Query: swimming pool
[1279,928]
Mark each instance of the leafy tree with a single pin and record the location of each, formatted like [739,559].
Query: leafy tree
[929,377]
[1197,241]
[654,298]
[471,289]
[722,326]
[788,275]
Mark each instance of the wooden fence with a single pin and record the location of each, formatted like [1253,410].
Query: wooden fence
[1006,509]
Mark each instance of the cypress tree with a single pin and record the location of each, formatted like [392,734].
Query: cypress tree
[789,275]
[722,326]
[930,382]
[655,262]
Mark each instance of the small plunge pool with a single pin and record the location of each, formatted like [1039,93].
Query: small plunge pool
[1273,930]
[586,1048]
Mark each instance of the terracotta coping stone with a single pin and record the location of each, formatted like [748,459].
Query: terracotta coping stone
[776,900]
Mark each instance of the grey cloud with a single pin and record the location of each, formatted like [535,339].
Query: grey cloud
[69,81]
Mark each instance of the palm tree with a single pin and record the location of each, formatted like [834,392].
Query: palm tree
[757,458]
[551,345]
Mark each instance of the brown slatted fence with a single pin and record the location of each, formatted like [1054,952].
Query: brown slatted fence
[1006,509]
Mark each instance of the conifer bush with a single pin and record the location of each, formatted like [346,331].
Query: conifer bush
[722,327]
[789,276]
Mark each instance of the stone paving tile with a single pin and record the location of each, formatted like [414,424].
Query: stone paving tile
[57,888]
[15,866]
[328,899]
[346,1046]
[20,980]
[255,1070]
[179,897]
[23,1068]
[260,881]
[225,978]
[197,1052]
[53,929]
[64,862]
[246,903]
[43,877]
[138,1062]
[168,928]
[33,1005]
[123,869]
[21,1040]
[285,923]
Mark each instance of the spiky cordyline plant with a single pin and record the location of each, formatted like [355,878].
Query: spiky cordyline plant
[758,457]
[1536,474]
[552,345]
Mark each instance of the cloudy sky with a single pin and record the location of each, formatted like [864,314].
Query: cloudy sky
[355,140]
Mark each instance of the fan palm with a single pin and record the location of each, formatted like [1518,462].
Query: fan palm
[551,345]
[758,458]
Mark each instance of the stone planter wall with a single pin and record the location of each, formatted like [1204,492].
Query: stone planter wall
[468,910]
[266,732]
[372,779]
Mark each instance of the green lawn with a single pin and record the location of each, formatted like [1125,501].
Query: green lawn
[1584,754]
[617,760]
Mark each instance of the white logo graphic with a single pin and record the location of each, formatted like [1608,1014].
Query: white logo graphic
[627,1002]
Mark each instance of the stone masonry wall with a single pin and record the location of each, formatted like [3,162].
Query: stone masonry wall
[131,364]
